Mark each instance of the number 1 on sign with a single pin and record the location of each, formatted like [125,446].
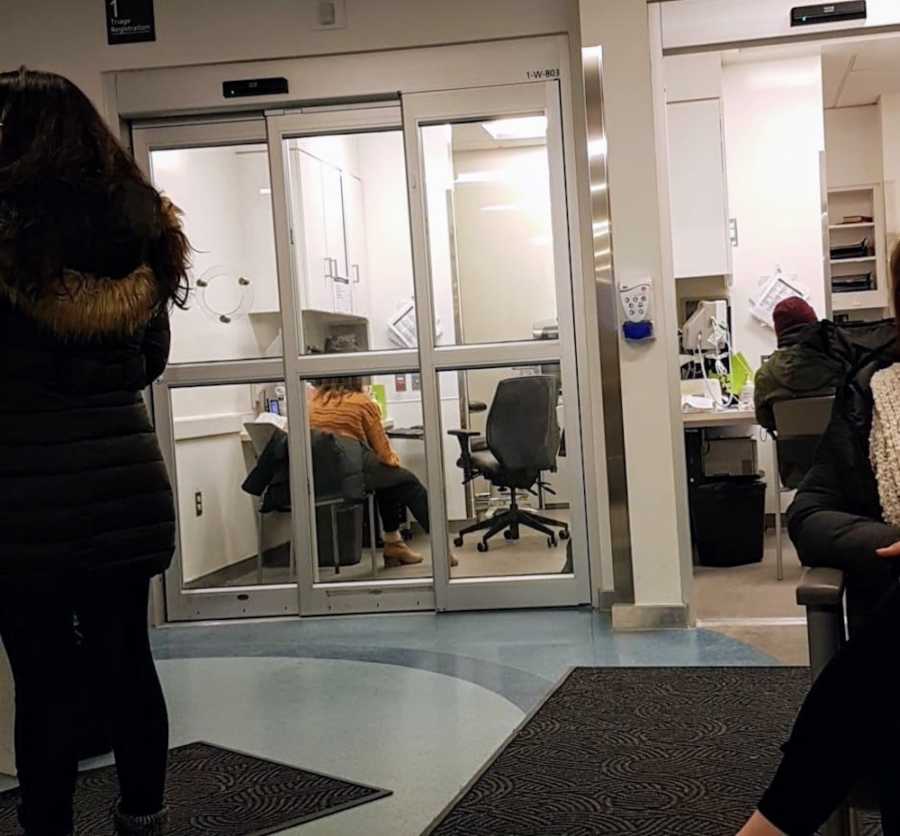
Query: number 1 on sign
[114,5]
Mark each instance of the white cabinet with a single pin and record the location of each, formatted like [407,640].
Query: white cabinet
[309,233]
[328,235]
[357,248]
[698,191]
[257,261]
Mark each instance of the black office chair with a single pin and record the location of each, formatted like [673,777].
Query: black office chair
[522,441]
[799,424]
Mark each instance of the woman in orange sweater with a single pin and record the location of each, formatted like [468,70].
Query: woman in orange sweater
[340,406]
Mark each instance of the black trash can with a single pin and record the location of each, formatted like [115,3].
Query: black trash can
[349,529]
[728,521]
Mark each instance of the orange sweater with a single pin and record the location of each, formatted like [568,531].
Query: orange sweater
[353,415]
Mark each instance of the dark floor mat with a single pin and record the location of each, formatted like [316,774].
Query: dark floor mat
[216,791]
[637,751]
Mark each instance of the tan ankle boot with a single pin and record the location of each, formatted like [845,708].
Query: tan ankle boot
[399,554]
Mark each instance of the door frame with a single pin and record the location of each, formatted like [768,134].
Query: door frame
[477,104]
[317,598]
[213,603]
[192,95]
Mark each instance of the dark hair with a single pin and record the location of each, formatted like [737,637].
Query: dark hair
[72,200]
[337,386]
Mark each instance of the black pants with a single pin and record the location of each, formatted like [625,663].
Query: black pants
[848,728]
[36,626]
[396,488]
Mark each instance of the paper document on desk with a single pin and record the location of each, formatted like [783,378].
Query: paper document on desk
[697,403]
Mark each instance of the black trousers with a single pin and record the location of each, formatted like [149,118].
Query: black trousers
[396,488]
[848,729]
[36,626]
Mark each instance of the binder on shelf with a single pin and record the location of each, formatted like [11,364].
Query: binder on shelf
[860,250]
[852,283]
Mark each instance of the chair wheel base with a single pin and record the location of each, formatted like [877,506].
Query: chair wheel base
[552,542]
[564,534]
[458,542]
[482,547]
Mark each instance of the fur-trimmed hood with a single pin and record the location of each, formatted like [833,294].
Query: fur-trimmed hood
[84,305]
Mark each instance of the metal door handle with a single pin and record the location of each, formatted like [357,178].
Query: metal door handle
[356,279]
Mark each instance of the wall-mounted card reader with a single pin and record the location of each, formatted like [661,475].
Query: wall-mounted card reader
[254,87]
[828,13]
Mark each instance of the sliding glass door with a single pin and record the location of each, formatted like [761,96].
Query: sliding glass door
[411,260]
[487,187]
[224,390]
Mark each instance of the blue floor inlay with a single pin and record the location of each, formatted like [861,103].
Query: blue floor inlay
[413,703]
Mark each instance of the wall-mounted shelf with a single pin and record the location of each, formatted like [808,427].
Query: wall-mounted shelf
[858,201]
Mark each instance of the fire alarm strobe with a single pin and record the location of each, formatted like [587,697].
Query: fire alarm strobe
[828,13]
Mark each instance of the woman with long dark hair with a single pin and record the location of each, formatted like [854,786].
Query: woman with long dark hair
[91,259]
[847,515]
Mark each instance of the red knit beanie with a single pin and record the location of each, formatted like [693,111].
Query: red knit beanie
[791,312]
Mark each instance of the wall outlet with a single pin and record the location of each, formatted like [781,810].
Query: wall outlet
[198,503]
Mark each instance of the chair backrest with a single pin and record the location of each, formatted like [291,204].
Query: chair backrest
[522,428]
[802,417]
[799,424]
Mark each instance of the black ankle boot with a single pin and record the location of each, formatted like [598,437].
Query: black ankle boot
[152,825]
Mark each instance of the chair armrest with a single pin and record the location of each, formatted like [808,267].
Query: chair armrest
[464,437]
[477,406]
[821,588]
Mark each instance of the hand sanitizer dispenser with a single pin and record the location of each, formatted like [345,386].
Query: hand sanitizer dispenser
[637,306]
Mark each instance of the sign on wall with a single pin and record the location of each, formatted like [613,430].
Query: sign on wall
[129,21]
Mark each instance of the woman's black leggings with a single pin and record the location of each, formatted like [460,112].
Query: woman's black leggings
[36,626]
[848,729]
[396,489]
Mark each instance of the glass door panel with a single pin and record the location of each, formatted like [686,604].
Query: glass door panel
[490,229]
[349,267]
[514,472]
[224,194]
[222,400]
[490,234]
[349,231]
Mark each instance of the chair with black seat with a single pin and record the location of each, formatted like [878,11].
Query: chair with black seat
[522,437]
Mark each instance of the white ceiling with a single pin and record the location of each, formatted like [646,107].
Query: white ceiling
[859,73]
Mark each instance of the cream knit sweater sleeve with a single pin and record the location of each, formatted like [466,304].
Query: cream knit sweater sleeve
[884,441]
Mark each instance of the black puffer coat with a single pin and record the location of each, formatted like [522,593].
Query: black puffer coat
[83,486]
[836,518]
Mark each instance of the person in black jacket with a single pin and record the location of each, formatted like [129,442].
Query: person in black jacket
[91,258]
[847,515]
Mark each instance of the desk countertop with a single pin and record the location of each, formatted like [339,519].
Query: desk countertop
[719,418]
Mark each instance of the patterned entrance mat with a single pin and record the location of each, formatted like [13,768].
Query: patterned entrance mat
[216,791]
[638,751]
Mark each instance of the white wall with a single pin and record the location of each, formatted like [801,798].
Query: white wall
[383,173]
[504,243]
[641,238]
[890,131]
[69,36]
[853,146]
[205,183]
[689,23]
[774,134]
